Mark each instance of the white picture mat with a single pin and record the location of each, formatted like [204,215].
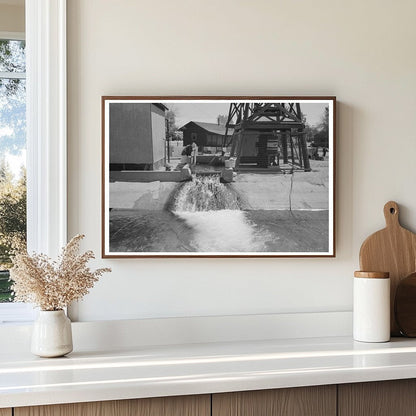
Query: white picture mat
[106,177]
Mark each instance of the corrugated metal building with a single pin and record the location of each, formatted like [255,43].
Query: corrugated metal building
[137,136]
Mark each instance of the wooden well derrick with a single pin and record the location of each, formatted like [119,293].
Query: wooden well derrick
[266,129]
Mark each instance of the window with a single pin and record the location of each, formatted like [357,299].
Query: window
[46,133]
[12,155]
[12,166]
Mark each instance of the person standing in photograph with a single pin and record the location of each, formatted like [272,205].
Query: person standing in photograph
[194,153]
[186,154]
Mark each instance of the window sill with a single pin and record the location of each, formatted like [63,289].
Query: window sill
[16,313]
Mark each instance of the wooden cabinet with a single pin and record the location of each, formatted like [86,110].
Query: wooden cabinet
[381,398]
[385,398]
[163,406]
[300,401]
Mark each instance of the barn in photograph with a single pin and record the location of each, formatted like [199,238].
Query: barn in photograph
[210,137]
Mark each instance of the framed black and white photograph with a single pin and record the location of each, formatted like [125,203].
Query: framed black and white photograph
[218,176]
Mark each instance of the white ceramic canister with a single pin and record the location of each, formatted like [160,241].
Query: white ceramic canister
[371,322]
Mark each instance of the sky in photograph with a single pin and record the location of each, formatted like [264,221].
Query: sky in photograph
[208,112]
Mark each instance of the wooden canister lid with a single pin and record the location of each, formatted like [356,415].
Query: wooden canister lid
[372,275]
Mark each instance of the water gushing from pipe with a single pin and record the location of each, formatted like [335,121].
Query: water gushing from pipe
[212,210]
[205,193]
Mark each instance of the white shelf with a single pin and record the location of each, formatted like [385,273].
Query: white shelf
[150,371]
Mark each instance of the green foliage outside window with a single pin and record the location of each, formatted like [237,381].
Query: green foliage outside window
[12,223]
[12,148]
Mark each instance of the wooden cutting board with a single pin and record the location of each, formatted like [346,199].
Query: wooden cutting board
[393,250]
[405,306]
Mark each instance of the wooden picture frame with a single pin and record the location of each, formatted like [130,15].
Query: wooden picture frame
[205,176]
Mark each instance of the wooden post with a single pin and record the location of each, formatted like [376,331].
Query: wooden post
[292,153]
[306,162]
[239,148]
[299,143]
[284,146]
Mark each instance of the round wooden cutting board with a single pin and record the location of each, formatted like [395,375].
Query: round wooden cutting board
[393,250]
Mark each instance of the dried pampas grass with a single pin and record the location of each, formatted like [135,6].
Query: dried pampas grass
[53,285]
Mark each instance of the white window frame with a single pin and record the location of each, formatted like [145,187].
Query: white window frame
[46,134]
[14,312]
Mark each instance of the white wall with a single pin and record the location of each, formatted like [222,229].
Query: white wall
[361,51]
[12,17]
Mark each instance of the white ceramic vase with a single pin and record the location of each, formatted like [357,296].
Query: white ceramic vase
[52,334]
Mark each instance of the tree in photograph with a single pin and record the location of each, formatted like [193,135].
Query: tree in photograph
[222,119]
[321,138]
[324,124]
[171,121]
[309,131]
